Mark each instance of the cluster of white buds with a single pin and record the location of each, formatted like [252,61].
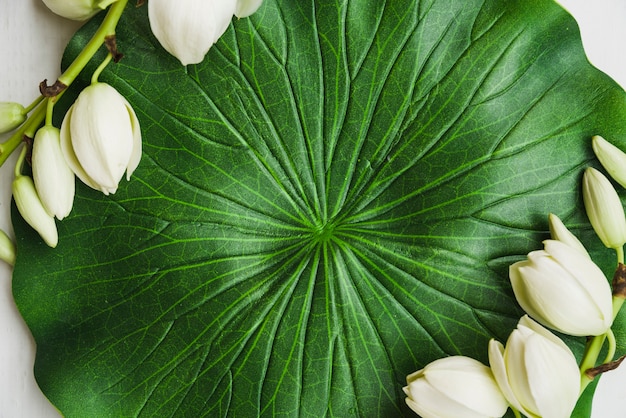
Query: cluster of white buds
[559,287]
[99,140]
[535,373]
[188,28]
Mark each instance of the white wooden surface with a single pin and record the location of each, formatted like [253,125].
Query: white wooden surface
[31,41]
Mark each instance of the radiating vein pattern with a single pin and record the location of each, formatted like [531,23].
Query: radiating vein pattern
[322,208]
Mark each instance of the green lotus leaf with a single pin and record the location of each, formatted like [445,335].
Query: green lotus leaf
[328,202]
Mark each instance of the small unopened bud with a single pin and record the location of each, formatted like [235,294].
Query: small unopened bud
[30,207]
[612,158]
[12,115]
[54,180]
[604,209]
[7,248]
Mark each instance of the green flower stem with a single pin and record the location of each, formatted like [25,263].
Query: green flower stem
[107,28]
[592,350]
[610,337]
[41,105]
[34,104]
[101,67]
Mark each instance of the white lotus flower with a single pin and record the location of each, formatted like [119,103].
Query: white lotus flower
[77,9]
[247,7]
[536,372]
[101,138]
[12,115]
[32,210]
[54,180]
[188,28]
[455,387]
[604,208]
[612,158]
[559,232]
[563,291]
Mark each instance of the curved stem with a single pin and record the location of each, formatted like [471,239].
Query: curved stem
[592,351]
[612,346]
[101,67]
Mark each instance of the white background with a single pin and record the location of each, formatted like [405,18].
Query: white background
[31,43]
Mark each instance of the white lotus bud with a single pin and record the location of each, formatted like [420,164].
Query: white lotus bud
[559,232]
[455,386]
[7,248]
[12,115]
[604,208]
[563,291]
[101,138]
[32,210]
[612,158]
[536,372]
[77,9]
[54,180]
[188,28]
[247,7]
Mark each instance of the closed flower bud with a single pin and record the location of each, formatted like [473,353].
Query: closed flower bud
[455,386]
[246,7]
[53,178]
[536,371]
[101,138]
[77,9]
[612,158]
[563,291]
[604,209]
[32,210]
[7,248]
[559,232]
[12,115]
[188,28]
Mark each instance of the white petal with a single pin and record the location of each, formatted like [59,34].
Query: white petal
[498,367]
[135,157]
[247,7]
[553,377]
[559,232]
[68,151]
[515,361]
